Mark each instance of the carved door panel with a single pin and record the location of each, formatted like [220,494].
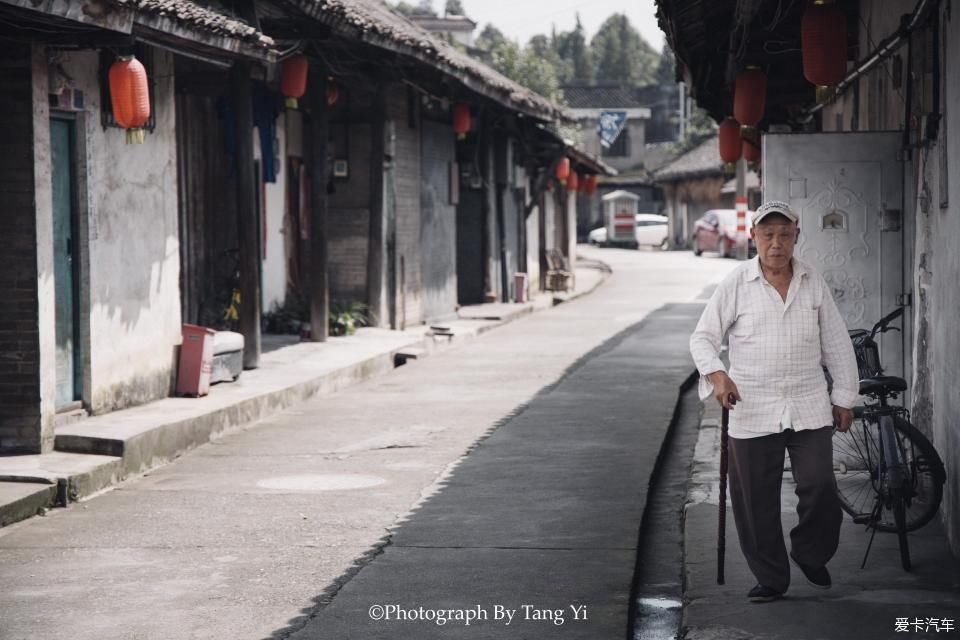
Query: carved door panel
[846,187]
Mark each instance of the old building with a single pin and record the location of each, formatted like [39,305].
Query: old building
[242,199]
[651,109]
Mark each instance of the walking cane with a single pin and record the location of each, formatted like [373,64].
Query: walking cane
[722,532]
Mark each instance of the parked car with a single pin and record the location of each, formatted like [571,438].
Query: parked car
[717,231]
[598,237]
[651,230]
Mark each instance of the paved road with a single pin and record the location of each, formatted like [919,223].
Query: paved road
[253,535]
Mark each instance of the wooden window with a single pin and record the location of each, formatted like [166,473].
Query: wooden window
[620,147]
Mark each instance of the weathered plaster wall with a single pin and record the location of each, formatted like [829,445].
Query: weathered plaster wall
[406,177]
[438,226]
[133,245]
[511,217]
[273,251]
[533,243]
[46,295]
[937,298]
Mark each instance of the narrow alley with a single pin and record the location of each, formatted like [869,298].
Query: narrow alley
[510,470]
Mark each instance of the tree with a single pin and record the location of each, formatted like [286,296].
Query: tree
[538,74]
[544,48]
[490,38]
[454,8]
[571,47]
[667,67]
[423,8]
[700,126]
[531,66]
[621,55]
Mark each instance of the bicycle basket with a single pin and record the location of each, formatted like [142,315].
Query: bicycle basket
[868,355]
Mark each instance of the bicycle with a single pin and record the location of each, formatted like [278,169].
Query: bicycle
[888,475]
[230,264]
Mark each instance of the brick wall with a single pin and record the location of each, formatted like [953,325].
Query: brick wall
[406,185]
[349,221]
[19,338]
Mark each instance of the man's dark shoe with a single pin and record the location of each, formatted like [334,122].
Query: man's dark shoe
[761,593]
[818,577]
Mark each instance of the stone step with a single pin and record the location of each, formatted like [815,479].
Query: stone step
[22,500]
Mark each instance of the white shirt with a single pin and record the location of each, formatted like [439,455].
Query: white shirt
[776,350]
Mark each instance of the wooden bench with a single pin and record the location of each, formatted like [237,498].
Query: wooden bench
[559,276]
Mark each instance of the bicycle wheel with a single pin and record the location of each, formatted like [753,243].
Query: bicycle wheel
[898,506]
[856,461]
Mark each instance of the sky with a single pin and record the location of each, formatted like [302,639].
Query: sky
[522,19]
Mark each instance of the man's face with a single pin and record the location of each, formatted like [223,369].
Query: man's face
[775,237]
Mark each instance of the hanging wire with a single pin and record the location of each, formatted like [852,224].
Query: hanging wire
[768,49]
[286,53]
[883,65]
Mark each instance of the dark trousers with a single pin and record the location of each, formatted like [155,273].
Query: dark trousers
[756,469]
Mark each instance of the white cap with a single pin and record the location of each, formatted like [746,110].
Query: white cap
[774,206]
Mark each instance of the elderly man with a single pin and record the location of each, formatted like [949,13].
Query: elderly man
[782,325]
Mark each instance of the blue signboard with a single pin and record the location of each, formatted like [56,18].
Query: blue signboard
[610,125]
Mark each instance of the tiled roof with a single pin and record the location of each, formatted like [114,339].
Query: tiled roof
[594,97]
[702,160]
[373,22]
[194,15]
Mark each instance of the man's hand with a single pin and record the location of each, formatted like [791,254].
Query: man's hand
[723,386]
[842,418]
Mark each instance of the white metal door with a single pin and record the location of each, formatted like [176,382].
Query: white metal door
[846,187]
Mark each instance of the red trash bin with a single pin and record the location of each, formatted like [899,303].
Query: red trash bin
[196,361]
[519,287]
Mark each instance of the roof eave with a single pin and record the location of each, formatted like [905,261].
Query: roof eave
[175,34]
[688,175]
[476,84]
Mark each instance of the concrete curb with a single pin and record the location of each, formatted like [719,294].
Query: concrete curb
[23,500]
[162,443]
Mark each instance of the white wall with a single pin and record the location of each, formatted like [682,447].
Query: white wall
[133,245]
[275,197]
[934,270]
[46,292]
[533,243]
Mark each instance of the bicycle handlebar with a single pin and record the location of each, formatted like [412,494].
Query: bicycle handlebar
[881,325]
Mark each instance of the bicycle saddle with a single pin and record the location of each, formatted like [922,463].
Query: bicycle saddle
[882,384]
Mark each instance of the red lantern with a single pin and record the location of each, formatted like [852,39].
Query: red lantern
[573,182]
[730,144]
[293,79]
[823,42]
[333,92]
[751,150]
[750,96]
[129,96]
[590,184]
[461,120]
[562,172]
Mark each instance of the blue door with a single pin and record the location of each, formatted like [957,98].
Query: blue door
[65,262]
